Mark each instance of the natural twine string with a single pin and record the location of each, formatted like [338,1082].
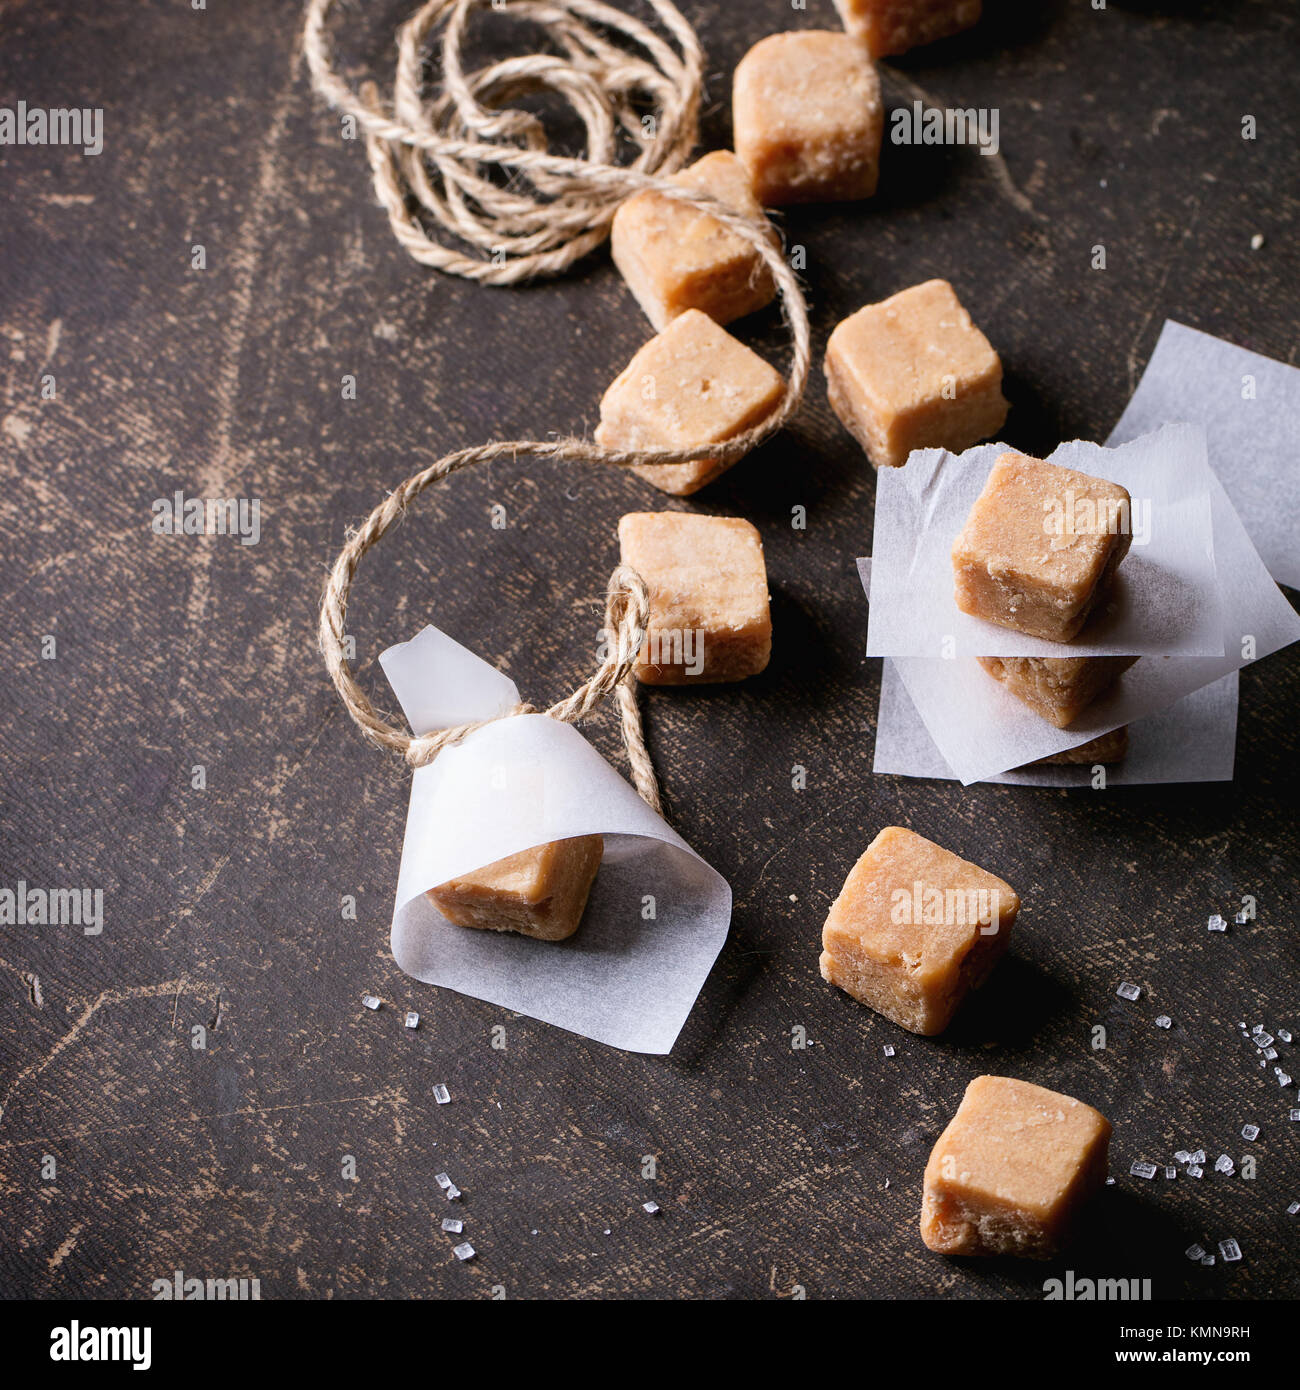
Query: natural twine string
[432,158]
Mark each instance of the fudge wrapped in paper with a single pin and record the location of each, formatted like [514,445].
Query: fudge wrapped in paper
[657,914]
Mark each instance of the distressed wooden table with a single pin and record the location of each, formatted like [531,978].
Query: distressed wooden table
[178,745]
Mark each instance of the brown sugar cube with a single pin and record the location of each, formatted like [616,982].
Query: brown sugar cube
[692,384]
[540,892]
[1110,747]
[1012,1170]
[913,372]
[1040,547]
[914,929]
[1059,688]
[808,118]
[709,615]
[675,258]
[893,26]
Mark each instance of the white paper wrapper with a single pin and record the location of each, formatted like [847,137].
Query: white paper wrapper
[519,782]
[1193,740]
[1165,599]
[1252,436]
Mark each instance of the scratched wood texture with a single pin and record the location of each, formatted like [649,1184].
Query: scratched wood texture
[778,1169]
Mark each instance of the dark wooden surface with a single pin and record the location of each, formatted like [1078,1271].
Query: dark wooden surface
[1119,126]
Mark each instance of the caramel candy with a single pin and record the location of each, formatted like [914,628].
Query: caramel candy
[676,258]
[914,929]
[808,118]
[709,616]
[692,384]
[1111,747]
[540,892]
[913,372]
[1040,547]
[1012,1170]
[1059,688]
[893,26]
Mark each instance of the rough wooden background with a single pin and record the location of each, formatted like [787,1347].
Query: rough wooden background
[1119,126]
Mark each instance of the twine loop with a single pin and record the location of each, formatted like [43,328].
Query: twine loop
[622,83]
[471,187]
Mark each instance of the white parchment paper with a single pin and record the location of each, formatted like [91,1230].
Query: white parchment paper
[621,979]
[1164,599]
[1193,740]
[1248,406]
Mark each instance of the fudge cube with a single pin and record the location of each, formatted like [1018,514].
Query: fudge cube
[1111,747]
[1040,547]
[675,258]
[914,929]
[1012,1170]
[893,26]
[913,372]
[692,384]
[540,892]
[709,616]
[1059,688]
[808,118]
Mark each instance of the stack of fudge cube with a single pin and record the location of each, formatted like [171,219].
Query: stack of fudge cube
[1010,570]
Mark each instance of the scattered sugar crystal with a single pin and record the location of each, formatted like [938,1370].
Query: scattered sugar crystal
[1263,1040]
[442,1180]
[1216,923]
[1242,918]
[1293,1209]
[1142,1170]
[1208,1260]
[1283,1079]
[1250,1131]
[1164,1021]
[1223,1164]
[449,1223]
[1270,1054]
[888,1049]
[442,1095]
[1199,1156]
[1128,991]
[1110,1182]
[1182,1156]
[1195,1171]
[1295,1114]
[453,1192]
[1170,1172]
[1229,1249]
[1257,1028]
[650,1208]
[368,1001]
[1195,1252]
[412,1019]
[464,1251]
[1284,1034]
